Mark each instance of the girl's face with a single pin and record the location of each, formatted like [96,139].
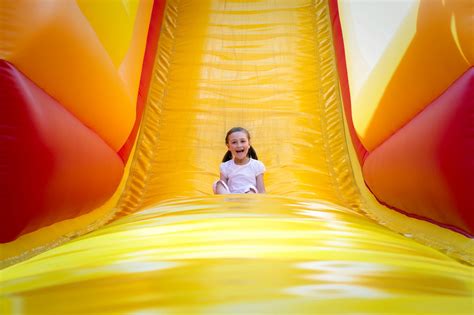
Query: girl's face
[238,144]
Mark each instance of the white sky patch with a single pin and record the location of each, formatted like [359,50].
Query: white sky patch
[368,27]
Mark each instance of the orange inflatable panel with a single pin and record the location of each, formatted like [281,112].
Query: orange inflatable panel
[427,166]
[54,45]
[146,74]
[52,166]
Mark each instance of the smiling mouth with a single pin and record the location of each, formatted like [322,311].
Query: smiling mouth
[239,151]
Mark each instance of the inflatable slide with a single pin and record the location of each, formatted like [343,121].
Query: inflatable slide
[113,116]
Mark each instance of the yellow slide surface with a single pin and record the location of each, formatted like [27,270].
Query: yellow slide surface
[310,245]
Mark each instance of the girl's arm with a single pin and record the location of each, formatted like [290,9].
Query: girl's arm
[220,188]
[260,184]
[223,178]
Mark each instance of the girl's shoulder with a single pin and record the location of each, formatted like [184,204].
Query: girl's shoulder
[226,165]
[256,162]
[253,163]
[258,165]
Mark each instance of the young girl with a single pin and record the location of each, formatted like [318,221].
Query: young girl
[241,172]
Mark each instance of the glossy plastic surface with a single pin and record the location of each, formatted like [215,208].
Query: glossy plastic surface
[402,59]
[240,254]
[52,167]
[305,247]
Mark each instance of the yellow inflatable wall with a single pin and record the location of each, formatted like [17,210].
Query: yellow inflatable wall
[317,242]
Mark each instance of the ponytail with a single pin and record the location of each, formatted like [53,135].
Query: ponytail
[252,154]
[227,156]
